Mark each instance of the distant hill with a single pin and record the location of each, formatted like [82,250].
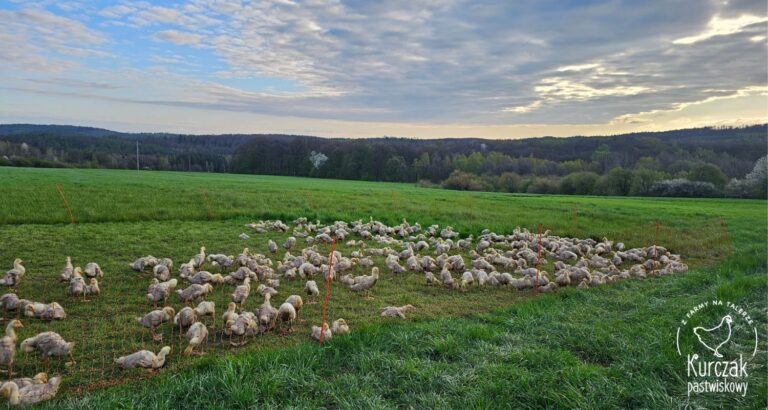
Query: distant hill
[72,130]
[673,154]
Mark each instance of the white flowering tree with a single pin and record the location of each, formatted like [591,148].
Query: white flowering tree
[317,159]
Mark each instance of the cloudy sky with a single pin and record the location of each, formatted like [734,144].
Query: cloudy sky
[417,68]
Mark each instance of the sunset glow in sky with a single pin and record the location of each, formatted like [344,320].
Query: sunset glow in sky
[414,68]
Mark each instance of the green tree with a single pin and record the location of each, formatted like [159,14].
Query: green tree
[708,173]
[643,180]
[617,181]
[421,165]
[508,182]
[579,183]
[396,169]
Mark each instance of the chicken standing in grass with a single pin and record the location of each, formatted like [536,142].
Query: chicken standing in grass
[66,272]
[297,303]
[204,276]
[187,269]
[156,318]
[241,292]
[76,283]
[266,315]
[8,345]
[144,359]
[13,276]
[185,318]
[92,288]
[9,301]
[49,344]
[393,265]
[196,335]
[365,283]
[286,314]
[230,315]
[466,280]
[264,289]
[206,308]
[429,278]
[93,270]
[340,327]
[161,272]
[32,394]
[51,311]
[39,378]
[394,311]
[327,334]
[158,291]
[144,262]
[189,316]
[312,291]
[199,258]
[194,292]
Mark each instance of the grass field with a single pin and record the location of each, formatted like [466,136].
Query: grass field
[606,347]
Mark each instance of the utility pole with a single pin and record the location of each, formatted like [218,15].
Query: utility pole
[137,155]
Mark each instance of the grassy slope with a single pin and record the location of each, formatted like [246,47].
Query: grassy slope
[610,347]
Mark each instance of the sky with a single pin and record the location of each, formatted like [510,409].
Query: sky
[412,68]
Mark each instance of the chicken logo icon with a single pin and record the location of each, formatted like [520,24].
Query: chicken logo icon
[717,341]
[714,338]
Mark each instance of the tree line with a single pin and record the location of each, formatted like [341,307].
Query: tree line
[713,161]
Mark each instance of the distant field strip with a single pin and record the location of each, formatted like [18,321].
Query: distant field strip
[29,196]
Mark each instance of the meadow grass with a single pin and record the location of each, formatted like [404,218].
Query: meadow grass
[611,347]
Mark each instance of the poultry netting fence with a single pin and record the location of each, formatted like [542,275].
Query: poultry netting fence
[104,327]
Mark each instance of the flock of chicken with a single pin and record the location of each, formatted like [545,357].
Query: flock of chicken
[24,391]
[510,260]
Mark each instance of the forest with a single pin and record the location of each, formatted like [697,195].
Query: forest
[699,162]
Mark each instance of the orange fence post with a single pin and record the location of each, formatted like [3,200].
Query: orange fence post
[327,288]
[66,204]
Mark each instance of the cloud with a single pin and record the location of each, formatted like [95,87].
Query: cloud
[719,26]
[577,67]
[400,62]
[713,108]
[564,89]
[178,37]
[522,109]
[39,40]
[116,11]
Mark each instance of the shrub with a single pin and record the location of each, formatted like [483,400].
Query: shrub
[579,183]
[754,184]
[508,182]
[542,186]
[683,188]
[643,179]
[465,181]
[708,173]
